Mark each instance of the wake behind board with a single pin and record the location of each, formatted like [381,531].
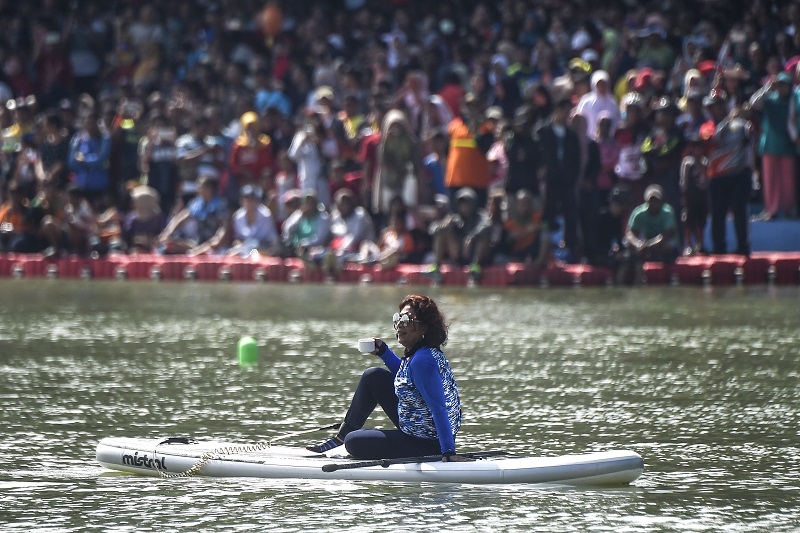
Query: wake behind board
[227,459]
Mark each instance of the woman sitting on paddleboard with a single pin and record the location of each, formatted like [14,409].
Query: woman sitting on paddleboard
[418,393]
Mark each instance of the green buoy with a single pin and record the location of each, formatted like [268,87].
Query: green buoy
[247,350]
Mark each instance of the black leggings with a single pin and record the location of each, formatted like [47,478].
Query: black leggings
[376,387]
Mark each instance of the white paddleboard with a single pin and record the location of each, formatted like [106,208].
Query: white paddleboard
[155,457]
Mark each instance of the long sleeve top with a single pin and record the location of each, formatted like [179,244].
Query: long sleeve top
[559,152]
[305,153]
[91,170]
[429,406]
[775,136]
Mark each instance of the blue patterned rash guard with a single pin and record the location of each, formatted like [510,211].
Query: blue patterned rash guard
[428,406]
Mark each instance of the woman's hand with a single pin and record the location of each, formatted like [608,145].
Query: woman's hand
[378,346]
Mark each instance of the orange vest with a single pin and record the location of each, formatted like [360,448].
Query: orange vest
[14,217]
[466,163]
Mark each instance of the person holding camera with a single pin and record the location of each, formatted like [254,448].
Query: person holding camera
[306,152]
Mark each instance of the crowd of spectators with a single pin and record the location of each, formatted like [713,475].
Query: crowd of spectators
[375,131]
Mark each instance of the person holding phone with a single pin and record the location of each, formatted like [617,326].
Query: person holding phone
[416,390]
[158,160]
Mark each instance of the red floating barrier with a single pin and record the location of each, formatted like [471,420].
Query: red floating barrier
[276,269]
[243,271]
[557,277]
[777,267]
[174,269]
[455,275]
[206,270]
[494,276]
[657,273]
[299,270]
[520,274]
[68,267]
[295,268]
[5,266]
[723,269]
[140,268]
[416,274]
[352,272]
[378,274]
[689,270]
[259,269]
[313,274]
[786,270]
[589,276]
[104,268]
[33,266]
[755,270]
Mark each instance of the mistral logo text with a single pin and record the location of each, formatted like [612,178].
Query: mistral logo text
[144,461]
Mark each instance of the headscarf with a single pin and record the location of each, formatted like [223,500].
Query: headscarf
[390,174]
[395,116]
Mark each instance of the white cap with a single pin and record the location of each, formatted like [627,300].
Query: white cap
[581,40]
[590,55]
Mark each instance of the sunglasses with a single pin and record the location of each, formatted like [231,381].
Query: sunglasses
[402,320]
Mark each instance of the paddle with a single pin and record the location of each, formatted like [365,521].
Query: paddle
[303,432]
[386,463]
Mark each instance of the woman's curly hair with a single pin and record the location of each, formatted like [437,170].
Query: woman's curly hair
[429,315]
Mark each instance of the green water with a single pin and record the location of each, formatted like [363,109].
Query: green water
[703,384]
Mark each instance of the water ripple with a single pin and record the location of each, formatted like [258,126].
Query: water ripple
[702,385]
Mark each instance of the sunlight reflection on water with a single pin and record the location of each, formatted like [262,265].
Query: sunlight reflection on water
[703,387]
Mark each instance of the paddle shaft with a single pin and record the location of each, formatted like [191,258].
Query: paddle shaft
[386,463]
[303,432]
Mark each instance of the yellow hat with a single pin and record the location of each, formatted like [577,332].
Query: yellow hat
[580,65]
[323,92]
[248,118]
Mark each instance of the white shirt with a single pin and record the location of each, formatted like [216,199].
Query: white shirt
[591,105]
[352,230]
[309,162]
[262,230]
